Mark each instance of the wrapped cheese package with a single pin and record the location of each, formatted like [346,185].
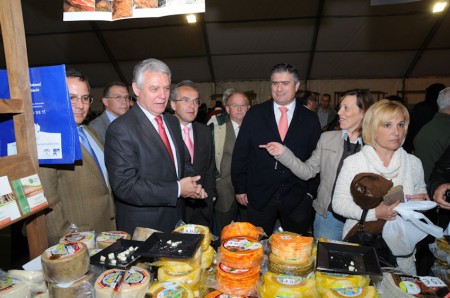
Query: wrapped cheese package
[196,229]
[87,238]
[65,262]
[240,252]
[289,245]
[326,281]
[241,229]
[13,288]
[298,267]
[190,278]
[219,294]
[207,258]
[105,239]
[170,289]
[281,285]
[33,278]
[121,283]
[181,265]
[357,292]
[82,287]
[237,282]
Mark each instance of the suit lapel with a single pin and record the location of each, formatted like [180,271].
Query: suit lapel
[270,116]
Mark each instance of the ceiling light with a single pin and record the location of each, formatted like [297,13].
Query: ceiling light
[191,18]
[439,6]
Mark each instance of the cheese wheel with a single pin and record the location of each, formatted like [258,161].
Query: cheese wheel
[34,276]
[13,288]
[241,282]
[290,267]
[190,278]
[42,295]
[362,292]
[83,287]
[327,281]
[142,234]
[135,283]
[87,238]
[207,258]
[170,289]
[105,239]
[65,262]
[108,283]
[241,229]
[240,252]
[197,229]
[291,246]
[194,262]
[218,294]
[281,285]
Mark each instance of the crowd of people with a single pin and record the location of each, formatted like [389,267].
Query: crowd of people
[289,161]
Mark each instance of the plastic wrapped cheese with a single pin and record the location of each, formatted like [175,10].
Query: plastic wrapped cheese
[240,252]
[207,258]
[65,262]
[120,283]
[196,229]
[281,285]
[190,278]
[105,239]
[218,294]
[13,288]
[240,282]
[298,267]
[142,234]
[82,287]
[181,265]
[357,292]
[170,289]
[289,245]
[33,278]
[327,281]
[87,238]
[241,229]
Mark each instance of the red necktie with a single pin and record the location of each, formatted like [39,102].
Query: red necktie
[188,141]
[163,135]
[283,124]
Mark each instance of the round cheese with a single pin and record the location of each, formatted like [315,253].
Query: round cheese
[120,283]
[240,252]
[218,294]
[291,246]
[87,238]
[241,229]
[34,279]
[239,282]
[363,292]
[65,262]
[190,278]
[170,289]
[207,258]
[13,288]
[197,229]
[281,285]
[108,283]
[83,287]
[105,239]
[327,281]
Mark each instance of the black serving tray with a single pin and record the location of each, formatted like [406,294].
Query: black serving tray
[338,258]
[116,248]
[160,245]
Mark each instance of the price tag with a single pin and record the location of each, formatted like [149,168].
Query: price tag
[431,281]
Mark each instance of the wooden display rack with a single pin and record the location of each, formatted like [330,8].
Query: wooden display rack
[25,163]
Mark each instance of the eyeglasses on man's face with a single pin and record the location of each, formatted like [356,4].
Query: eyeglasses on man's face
[186,101]
[236,106]
[86,99]
[120,98]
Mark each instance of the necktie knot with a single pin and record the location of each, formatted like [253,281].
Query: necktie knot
[283,124]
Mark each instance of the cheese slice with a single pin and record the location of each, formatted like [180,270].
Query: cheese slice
[13,288]
[65,262]
[87,238]
[105,239]
[83,287]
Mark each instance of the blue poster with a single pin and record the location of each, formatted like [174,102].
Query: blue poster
[56,133]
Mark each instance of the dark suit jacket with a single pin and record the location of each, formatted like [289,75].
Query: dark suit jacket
[255,172]
[204,166]
[142,174]
[77,194]
[100,124]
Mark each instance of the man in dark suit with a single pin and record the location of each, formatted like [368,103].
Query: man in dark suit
[116,100]
[79,195]
[267,188]
[146,158]
[185,101]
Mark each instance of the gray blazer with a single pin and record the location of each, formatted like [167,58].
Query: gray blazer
[99,125]
[324,159]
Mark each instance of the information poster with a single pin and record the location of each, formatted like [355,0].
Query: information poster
[9,210]
[112,10]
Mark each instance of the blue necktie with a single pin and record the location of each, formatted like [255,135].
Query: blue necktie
[85,142]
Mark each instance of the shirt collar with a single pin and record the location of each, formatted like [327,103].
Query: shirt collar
[344,134]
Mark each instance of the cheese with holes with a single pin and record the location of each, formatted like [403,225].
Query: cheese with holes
[170,289]
[120,283]
[65,262]
[87,238]
[13,288]
[82,287]
[105,239]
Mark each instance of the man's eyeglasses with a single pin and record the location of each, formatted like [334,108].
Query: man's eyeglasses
[186,101]
[120,98]
[235,106]
[87,99]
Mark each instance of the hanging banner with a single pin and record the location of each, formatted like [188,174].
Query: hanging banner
[112,10]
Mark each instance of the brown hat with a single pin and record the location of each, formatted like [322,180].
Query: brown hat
[368,189]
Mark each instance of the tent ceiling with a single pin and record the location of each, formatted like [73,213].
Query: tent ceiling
[242,40]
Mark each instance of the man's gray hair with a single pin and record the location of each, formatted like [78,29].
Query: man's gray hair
[152,65]
[443,100]
[185,83]
[226,94]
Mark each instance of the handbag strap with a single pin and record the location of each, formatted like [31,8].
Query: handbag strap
[362,220]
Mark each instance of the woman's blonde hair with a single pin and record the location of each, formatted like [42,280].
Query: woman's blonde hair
[379,114]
